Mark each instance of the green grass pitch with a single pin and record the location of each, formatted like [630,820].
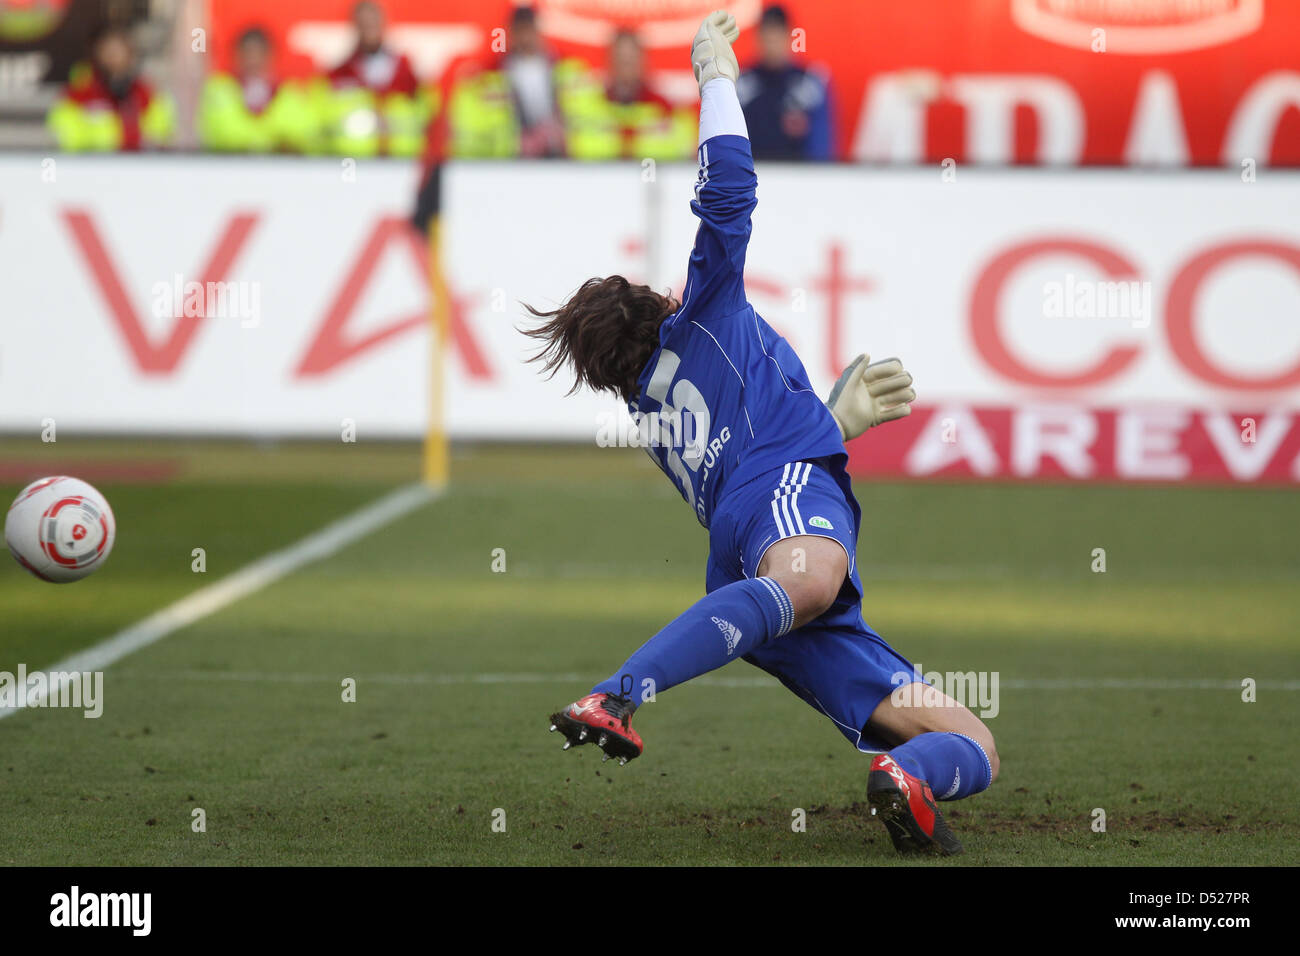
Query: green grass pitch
[1119,690]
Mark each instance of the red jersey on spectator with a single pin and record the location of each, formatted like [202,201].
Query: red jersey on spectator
[381,72]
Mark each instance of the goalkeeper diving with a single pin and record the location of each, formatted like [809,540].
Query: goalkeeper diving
[760,459]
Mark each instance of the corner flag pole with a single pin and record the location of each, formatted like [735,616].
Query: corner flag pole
[436,456]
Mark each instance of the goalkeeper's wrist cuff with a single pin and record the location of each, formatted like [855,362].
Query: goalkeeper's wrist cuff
[720,112]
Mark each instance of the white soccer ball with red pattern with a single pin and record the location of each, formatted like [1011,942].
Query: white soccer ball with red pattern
[60,529]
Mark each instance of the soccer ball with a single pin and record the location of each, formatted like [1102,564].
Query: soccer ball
[60,529]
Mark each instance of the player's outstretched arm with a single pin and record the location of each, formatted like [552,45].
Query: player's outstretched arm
[869,394]
[725,193]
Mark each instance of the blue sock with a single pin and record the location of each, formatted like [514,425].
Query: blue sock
[716,630]
[954,765]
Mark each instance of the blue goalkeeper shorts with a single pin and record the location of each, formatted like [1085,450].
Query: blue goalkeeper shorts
[836,663]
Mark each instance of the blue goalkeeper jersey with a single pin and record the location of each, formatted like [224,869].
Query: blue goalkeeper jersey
[725,399]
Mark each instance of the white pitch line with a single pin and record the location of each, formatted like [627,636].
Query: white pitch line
[1099,683]
[240,584]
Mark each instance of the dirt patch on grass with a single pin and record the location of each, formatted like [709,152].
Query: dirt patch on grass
[857,815]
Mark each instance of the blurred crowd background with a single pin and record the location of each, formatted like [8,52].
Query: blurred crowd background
[1056,82]
[120,76]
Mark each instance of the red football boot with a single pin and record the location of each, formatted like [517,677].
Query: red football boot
[602,719]
[907,807]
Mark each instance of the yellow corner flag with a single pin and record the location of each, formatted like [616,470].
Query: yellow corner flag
[436,454]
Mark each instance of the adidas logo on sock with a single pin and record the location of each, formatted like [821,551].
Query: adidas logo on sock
[956,785]
[730,633]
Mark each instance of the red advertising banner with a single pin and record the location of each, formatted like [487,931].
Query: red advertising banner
[1145,82]
[1077,443]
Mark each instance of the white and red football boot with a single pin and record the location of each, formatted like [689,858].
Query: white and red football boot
[907,807]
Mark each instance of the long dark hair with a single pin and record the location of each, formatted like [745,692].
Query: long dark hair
[607,331]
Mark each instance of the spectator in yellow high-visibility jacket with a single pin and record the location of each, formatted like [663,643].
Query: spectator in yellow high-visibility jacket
[251,111]
[107,107]
[624,117]
[508,104]
[371,103]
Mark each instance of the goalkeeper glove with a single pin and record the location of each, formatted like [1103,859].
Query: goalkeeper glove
[711,53]
[867,395]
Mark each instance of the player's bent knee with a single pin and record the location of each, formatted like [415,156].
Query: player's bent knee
[810,569]
[968,725]
[980,733]
[919,708]
[812,594]
[991,751]
[812,591]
